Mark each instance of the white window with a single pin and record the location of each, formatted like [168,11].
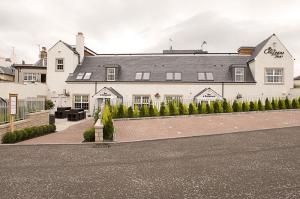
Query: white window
[111,74]
[81,101]
[201,76]
[170,98]
[177,76]
[87,76]
[146,76]
[173,76]
[138,76]
[169,76]
[209,76]
[80,76]
[30,77]
[140,100]
[60,64]
[239,74]
[274,75]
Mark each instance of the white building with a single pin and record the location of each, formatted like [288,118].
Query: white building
[78,77]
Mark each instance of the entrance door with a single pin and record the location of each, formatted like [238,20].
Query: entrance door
[102,101]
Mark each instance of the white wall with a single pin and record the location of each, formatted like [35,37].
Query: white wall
[56,80]
[24,90]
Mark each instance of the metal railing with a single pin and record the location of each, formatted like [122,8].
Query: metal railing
[24,106]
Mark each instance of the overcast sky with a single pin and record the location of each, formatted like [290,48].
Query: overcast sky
[119,26]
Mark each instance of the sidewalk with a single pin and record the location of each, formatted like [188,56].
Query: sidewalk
[149,129]
[71,134]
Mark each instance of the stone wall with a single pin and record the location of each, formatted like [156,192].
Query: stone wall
[32,119]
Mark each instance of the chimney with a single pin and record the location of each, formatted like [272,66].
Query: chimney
[43,53]
[80,45]
[245,50]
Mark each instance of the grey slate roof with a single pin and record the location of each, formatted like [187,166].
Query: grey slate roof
[259,47]
[7,70]
[159,65]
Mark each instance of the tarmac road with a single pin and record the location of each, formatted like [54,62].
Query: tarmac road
[259,164]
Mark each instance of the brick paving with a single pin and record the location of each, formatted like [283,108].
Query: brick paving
[148,129]
[70,135]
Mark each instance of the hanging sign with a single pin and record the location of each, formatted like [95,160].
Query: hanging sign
[274,52]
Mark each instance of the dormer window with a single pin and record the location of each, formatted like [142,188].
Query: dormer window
[142,76]
[111,74]
[173,76]
[239,74]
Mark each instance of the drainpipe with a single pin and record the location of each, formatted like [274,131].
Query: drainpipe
[95,88]
[223,89]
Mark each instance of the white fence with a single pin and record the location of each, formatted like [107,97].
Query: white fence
[29,105]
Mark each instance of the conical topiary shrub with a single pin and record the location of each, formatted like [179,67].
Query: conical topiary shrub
[268,105]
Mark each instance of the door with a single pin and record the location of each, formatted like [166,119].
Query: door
[43,78]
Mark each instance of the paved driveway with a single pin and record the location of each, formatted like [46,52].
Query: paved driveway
[256,165]
[70,135]
[130,130]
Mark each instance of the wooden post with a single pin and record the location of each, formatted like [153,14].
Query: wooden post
[13,105]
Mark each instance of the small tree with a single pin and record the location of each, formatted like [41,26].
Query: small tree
[167,111]
[185,109]
[108,127]
[48,104]
[203,109]
[115,110]
[288,103]
[295,104]
[176,108]
[255,106]
[239,106]
[142,111]
[251,106]
[193,108]
[211,107]
[130,112]
[199,107]
[180,108]
[216,107]
[246,106]
[146,109]
[162,109]
[260,106]
[120,111]
[125,110]
[171,107]
[155,111]
[235,106]
[225,105]
[268,105]
[228,107]
[136,112]
[275,104]
[151,110]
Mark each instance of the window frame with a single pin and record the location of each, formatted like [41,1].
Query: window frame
[32,75]
[173,76]
[206,76]
[141,100]
[82,103]
[110,74]
[274,75]
[177,98]
[240,75]
[57,65]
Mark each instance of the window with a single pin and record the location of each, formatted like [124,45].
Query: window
[59,64]
[209,76]
[81,101]
[173,76]
[142,76]
[170,98]
[138,76]
[239,74]
[111,74]
[87,76]
[80,76]
[177,76]
[274,75]
[30,77]
[201,76]
[140,100]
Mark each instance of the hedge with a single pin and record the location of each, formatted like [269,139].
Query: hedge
[219,106]
[89,135]
[27,133]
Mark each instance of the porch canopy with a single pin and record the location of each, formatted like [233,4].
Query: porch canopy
[207,95]
[107,94]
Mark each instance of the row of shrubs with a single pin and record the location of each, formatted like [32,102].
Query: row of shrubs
[108,126]
[27,133]
[220,106]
